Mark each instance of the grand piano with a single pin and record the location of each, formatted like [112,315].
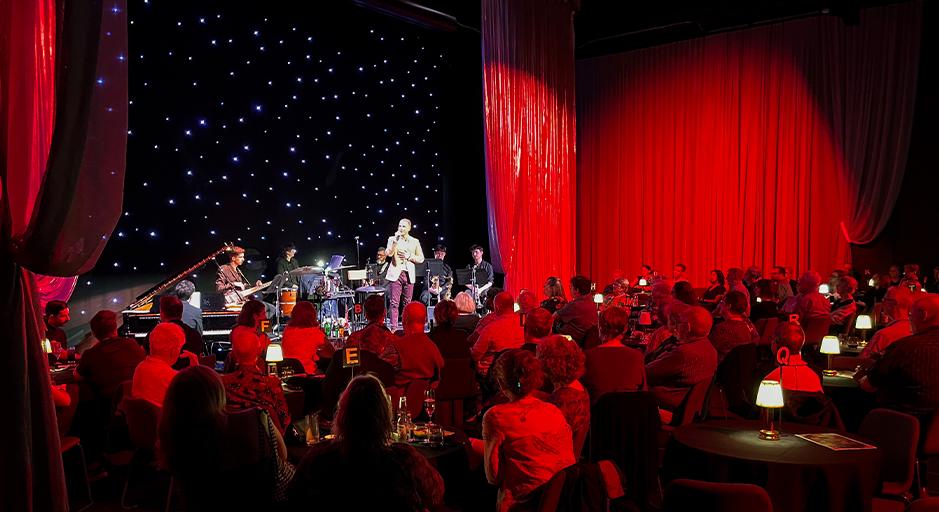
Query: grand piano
[217,321]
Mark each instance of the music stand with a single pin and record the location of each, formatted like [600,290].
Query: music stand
[434,267]
[463,276]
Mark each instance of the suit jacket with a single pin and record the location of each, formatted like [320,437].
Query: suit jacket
[413,247]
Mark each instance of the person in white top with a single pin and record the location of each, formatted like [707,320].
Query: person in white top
[404,251]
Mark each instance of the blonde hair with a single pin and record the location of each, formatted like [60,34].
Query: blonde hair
[465,303]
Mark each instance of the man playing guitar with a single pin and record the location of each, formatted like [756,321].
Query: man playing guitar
[232,283]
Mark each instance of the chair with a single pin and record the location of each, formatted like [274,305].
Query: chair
[683,495]
[76,473]
[812,409]
[624,428]
[142,423]
[767,329]
[924,505]
[735,381]
[691,406]
[897,435]
[582,486]
[457,383]
[928,447]
[415,394]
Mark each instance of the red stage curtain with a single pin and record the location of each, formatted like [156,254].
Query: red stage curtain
[528,75]
[63,130]
[748,148]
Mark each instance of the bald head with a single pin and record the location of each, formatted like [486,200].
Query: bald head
[527,301]
[789,335]
[925,312]
[694,322]
[415,316]
[504,303]
[809,282]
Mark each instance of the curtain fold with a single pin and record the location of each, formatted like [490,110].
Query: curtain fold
[528,79]
[770,146]
[63,129]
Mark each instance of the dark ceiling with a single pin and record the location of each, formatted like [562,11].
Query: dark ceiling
[611,26]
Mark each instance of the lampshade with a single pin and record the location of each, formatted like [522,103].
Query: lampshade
[275,353]
[598,298]
[823,289]
[759,299]
[830,345]
[871,282]
[516,307]
[770,395]
[47,345]
[643,282]
[645,318]
[863,322]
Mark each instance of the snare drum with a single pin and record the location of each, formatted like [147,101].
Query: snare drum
[288,299]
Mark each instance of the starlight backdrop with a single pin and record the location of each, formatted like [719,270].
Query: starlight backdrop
[264,126]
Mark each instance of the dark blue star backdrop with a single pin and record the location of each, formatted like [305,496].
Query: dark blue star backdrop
[262,126]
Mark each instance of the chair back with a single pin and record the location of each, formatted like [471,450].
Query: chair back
[929,438]
[682,495]
[624,428]
[897,435]
[294,364]
[142,418]
[691,405]
[738,376]
[924,505]
[767,328]
[811,409]
[815,329]
[457,384]
[582,486]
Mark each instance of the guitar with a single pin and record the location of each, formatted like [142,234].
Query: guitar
[235,296]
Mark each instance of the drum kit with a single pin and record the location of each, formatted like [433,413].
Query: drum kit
[326,287]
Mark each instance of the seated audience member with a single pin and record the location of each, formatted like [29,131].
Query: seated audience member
[808,303]
[765,304]
[911,277]
[563,364]
[171,311]
[413,356]
[502,333]
[905,377]
[375,336]
[468,319]
[248,328]
[247,387]
[450,341]
[527,301]
[303,339]
[715,290]
[361,469]
[526,441]
[750,278]
[932,284]
[681,362]
[612,366]
[57,315]
[555,298]
[192,316]
[845,308]
[204,445]
[793,373]
[895,317]
[780,279]
[735,278]
[668,313]
[735,329]
[153,375]
[537,326]
[661,292]
[680,274]
[684,292]
[580,314]
[112,361]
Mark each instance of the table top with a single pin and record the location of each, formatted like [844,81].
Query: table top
[740,440]
[844,379]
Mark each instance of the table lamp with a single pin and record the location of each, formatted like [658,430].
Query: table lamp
[863,323]
[830,346]
[643,282]
[275,354]
[769,397]
[823,289]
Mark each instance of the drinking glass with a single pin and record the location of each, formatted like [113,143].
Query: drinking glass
[430,404]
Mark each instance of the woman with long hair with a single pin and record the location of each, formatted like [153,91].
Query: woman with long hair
[303,339]
[555,298]
[361,469]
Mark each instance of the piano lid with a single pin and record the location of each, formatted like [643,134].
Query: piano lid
[146,298]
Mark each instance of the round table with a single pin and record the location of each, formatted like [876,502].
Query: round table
[797,474]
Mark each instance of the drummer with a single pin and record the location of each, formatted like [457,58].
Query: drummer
[287,262]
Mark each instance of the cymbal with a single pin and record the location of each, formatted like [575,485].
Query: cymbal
[370,289]
[302,271]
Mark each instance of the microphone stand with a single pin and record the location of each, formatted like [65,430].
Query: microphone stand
[357,265]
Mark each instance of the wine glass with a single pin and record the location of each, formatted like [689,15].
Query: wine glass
[430,404]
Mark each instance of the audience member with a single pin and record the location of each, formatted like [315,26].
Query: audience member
[780,279]
[171,311]
[680,273]
[526,441]
[247,387]
[715,290]
[684,292]
[555,298]
[204,445]
[580,314]
[537,326]
[527,301]
[57,315]
[765,304]
[450,341]
[668,314]
[844,309]
[750,278]
[502,333]
[683,361]
[304,339]
[612,366]
[793,374]
[192,316]
[563,364]
[361,469]
[735,278]
[375,336]
[895,317]
[735,329]
[153,375]
[112,361]
[468,319]
[906,377]
[413,356]
[808,303]
[248,328]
